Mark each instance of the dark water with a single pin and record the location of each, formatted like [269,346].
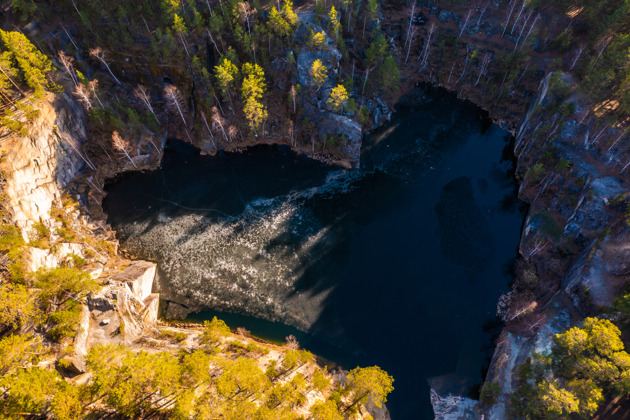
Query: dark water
[399,264]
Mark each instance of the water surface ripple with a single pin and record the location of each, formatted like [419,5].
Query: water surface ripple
[399,264]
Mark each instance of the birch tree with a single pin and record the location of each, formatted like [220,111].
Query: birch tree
[122,145]
[507,21]
[427,47]
[144,96]
[93,86]
[174,100]
[412,16]
[68,66]
[484,67]
[293,95]
[99,54]
[205,121]
[81,92]
[220,121]
[518,17]
[465,23]
[244,12]
[180,29]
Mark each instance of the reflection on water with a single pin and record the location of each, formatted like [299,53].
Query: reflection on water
[399,264]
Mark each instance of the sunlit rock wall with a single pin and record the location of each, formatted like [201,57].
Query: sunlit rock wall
[37,166]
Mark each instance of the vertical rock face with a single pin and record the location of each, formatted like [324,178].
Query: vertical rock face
[37,167]
[573,237]
[40,164]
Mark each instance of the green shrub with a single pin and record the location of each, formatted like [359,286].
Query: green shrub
[10,238]
[173,336]
[536,173]
[489,393]
[66,321]
[77,261]
[61,283]
[66,234]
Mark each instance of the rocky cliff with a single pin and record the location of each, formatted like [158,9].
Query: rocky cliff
[573,252]
[36,170]
[123,310]
[572,167]
[39,165]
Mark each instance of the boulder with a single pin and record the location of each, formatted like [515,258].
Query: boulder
[138,277]
[176,311]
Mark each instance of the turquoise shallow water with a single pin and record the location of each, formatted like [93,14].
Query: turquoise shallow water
[399,264]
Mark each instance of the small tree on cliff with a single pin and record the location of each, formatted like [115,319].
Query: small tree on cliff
[21,62]
[369,384]
[333,22]
[319,73]
[122,145]
[174,100]
[99,54]
[317,40]
[214,332]
[225,72]
[289,14]
[584,363]
[278,24]
[338,98]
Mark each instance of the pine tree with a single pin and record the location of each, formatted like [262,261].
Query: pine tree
[255,112]
[370,384]
[252,91]
[225,72]
[289,14]
[215,331]
[28,391]
[253,81]
[243,377]
[21,62]
[389,75]
[326,410]
[338,98]
[319,73]
[278,24]
[318,40]
[334,26]
[376,51]
[17,307]
[18,350]
[57,285]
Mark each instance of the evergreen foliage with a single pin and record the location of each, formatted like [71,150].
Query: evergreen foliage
[338,97]
[319,73]
[585,364]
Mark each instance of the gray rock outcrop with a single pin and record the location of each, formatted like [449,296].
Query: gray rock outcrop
[39,165]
